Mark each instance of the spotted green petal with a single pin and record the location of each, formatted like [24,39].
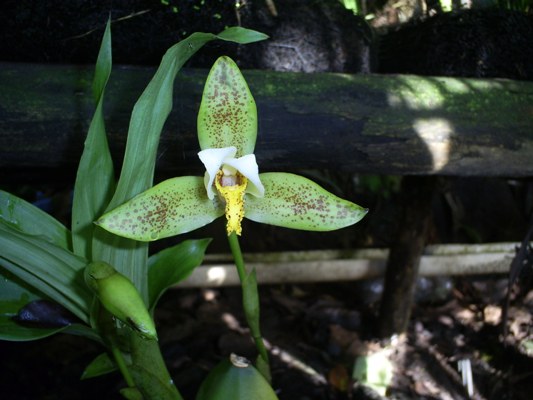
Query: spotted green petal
[175,206]
[227,115]
[292,201]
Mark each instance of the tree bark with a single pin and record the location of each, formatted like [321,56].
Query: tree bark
[357,123]
[404,257]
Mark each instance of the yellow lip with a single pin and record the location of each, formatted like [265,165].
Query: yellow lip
[234,197]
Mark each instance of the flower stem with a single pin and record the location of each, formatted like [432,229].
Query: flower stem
[237,255]
[121,364]
[250,300]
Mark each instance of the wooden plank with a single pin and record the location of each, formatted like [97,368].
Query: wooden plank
[356,123]
[333,266]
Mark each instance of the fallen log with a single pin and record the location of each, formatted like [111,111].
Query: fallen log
[357,123]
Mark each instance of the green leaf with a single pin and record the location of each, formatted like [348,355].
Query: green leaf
[153,107]
[172,265]
[235,378]
[50,269]
[83,330]
[27,218]
[149,372]
[147,120]
[175,206]
[104,64]
[14,295]
[95,180]
[131,393]
[241,35]
[101,365]
[227,115]
[292,201]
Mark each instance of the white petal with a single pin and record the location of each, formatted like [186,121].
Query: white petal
[247,166]
[213,160]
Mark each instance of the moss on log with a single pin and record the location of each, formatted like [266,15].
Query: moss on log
[390,124]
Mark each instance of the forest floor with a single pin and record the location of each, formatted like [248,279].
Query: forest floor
[314,333]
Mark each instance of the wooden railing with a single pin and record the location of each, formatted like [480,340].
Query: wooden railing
[400,125]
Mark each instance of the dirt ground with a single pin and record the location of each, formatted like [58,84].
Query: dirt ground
[314,333]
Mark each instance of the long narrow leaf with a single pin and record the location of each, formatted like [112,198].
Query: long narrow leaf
[95,177]
[32,220]
[83,330]
[49,291]
[241,35]
[103,66]
[147,120]
[14,295]
[153,107]
[101,365]
[50,269]
[172,265]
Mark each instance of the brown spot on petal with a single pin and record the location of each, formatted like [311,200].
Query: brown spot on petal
[175,206]
[227,115]
[296,202]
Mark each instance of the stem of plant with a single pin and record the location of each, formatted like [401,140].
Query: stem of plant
[250,300]
[121,364]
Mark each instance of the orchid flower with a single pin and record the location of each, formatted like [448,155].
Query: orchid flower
[232,184]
